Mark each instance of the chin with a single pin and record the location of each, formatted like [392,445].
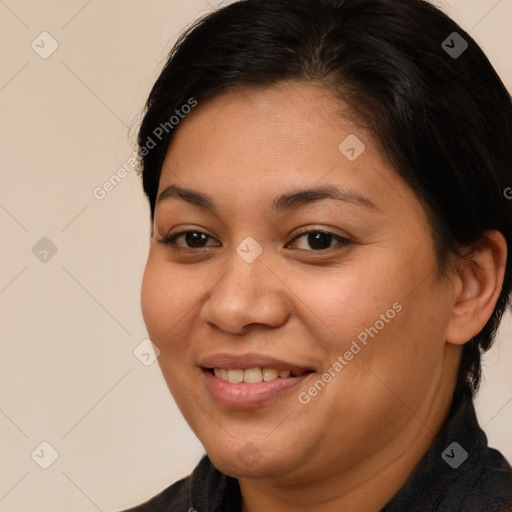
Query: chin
[248,462]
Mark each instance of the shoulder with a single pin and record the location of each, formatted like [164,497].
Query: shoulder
[492,484]
[460,472]
[174,498]
[205,489]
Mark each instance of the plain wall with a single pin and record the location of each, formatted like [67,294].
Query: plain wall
[70,324]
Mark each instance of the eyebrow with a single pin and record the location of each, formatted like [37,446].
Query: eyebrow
[283,203]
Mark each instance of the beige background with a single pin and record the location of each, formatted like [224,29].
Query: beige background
[70,325]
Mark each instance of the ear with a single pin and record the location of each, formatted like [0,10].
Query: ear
[477,285]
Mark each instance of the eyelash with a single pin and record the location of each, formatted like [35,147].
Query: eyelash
[170,240]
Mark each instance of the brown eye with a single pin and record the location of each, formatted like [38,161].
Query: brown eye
[321,240]
[193,239]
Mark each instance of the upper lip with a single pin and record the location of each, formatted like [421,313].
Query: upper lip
[247,361]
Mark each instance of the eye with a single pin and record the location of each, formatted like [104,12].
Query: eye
[317,240]
[193,239]
[321,240]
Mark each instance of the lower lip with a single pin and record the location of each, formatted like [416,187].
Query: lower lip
[245,395]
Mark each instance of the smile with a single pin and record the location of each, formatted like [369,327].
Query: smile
[250,380]
[253,375]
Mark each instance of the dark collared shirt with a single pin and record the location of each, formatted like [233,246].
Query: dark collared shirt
[459,473]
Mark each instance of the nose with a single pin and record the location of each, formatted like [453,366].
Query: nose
[247,294]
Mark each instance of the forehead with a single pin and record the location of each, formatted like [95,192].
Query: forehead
[299,105]
[287,127]
[251,143]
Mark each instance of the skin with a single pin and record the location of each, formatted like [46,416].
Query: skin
[354,444]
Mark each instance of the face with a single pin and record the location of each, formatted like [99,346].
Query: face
[330,296]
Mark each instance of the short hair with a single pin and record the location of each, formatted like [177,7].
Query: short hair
[432,99]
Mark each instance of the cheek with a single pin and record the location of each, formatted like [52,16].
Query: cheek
[167,308]
[163,301]
[403,352]
[379,308]
[343,303]
[152,299]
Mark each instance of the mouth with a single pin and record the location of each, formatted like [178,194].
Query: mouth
[254,375]
[250,381]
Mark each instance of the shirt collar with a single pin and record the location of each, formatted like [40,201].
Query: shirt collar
[450,461]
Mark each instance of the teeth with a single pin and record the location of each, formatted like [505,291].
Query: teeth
[236,375]
[270,374]
[222,373]
[251,375]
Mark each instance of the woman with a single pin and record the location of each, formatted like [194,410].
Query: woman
[328,187]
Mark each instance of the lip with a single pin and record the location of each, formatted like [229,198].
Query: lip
[249,395]
[244,395]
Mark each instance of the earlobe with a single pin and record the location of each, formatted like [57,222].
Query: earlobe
[478,285]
